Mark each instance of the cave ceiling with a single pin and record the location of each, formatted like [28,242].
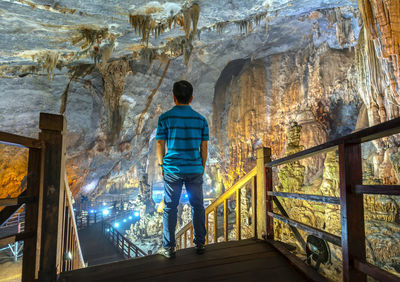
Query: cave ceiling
[68,31]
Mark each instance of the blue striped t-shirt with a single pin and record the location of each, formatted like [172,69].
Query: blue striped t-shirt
[183,129]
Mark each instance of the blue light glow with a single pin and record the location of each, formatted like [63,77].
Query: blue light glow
[116,225]
[91,211]
[136,213]
[106,212]
[124,220]
[130,217]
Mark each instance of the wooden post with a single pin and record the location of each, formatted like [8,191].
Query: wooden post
[191,235]
[30,265]
[263,183]
[215,225]
[254,205]
[238,216]
[206,227]
[52,129]
[67,234]
[351,210]
[226,234]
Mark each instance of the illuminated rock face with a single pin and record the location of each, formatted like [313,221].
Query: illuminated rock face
[307,63]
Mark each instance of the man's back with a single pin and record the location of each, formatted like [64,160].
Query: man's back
[183,129]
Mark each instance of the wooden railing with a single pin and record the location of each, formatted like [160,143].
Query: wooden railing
[256,177]
[72,253]
[352,240]
[123,244]
[85,221]
[51,243]
[14,224]
[30,197]
[351,189]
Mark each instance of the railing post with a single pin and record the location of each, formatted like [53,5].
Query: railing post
[215,225]
[30,267]
[238,216]
[52,130]
[263,203]
[226,234]
[185,239]
[351,210]
[253,205]
[191,235]
[206,227]
[67,235]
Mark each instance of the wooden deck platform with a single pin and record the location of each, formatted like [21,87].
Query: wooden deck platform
[247,260]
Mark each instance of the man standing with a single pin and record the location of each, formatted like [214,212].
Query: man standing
[185,132]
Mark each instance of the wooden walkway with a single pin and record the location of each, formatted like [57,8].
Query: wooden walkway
[96,249]
[247,260]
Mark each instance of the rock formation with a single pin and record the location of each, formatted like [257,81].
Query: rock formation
[328,68]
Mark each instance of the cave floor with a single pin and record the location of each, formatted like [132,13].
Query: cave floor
[247,260]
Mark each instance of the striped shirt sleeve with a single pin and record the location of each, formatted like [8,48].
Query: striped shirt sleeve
[161,130]
[205,135]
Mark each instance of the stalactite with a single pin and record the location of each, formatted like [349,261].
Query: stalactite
[194,15]
[219,27]
[148,54]
[187,51]
[114,75]
[187,21]
[47,60]
[88,35]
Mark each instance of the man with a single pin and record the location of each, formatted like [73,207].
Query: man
[185,132]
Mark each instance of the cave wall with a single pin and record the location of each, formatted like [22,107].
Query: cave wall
[319,68]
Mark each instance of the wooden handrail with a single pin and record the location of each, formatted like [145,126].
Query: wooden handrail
[234,189]
[19,141]
[392,190]
[306,197]
[124,245]
[365,135]
[50,236]
[72,246]
[351,200]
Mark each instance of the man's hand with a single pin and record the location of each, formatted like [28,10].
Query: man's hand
[203,152]
[160,154]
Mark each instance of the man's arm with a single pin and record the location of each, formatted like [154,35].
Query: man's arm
[203,152]
[161,153]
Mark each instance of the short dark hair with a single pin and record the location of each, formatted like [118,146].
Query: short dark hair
[183,91]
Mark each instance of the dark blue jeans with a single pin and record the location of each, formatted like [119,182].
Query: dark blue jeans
[172,192]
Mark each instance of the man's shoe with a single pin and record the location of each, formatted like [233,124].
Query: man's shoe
[167,252]
[200,249]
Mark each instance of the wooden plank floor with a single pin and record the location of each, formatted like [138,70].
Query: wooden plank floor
[247,260]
